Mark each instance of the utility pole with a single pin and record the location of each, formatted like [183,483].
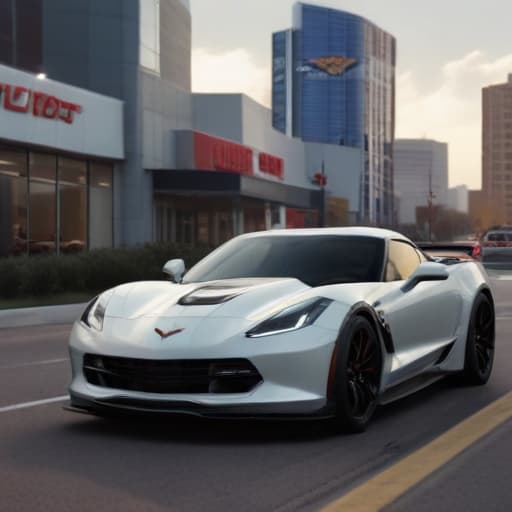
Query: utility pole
[431,197]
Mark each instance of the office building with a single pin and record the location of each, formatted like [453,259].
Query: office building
[334,83]
[497,145]
[421,175]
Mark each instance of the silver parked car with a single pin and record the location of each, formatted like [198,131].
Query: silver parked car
[497,248]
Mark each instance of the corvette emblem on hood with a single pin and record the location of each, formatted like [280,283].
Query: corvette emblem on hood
[168,334]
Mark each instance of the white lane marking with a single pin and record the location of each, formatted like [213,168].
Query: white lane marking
[34,363]
[504,318]
[36,403]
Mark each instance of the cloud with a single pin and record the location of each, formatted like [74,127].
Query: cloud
[451,112]
[232,71]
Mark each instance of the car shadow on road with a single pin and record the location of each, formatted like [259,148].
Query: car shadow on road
[217,431]
[202,430]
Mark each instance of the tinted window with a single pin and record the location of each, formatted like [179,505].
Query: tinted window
[403,260]
[499,237]
[314,260]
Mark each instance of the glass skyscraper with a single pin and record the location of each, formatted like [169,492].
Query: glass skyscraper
[334,83]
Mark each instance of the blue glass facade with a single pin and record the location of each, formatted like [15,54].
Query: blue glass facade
[332,106]
[279,81]
[343,93]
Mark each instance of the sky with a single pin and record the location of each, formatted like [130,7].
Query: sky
[447,50]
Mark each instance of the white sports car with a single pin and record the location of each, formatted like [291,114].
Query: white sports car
[310,323]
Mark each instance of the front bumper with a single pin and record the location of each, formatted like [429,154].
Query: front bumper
[294,368]
[121,405]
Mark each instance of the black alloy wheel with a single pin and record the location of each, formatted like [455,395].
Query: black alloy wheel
[358,372]
[480,343]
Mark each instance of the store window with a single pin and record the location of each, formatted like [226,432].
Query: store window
[185,227]
[150,35]
[43,208]
[204,227]
[72,205]
[43,194]
[100,205]
[13,202]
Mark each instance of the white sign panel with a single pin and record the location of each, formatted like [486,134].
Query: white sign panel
[59,116]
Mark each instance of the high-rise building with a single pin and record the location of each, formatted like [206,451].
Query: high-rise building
[421,173]
[497,145]
[334,83]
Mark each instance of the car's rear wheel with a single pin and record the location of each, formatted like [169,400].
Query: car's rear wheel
[358,370]
[479,356]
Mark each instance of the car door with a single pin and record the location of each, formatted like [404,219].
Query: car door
[421,320]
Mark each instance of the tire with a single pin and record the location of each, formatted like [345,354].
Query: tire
[358,371]
[479,357]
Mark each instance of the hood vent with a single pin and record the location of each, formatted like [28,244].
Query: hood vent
[211,295]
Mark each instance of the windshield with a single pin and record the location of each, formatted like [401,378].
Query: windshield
[314,260]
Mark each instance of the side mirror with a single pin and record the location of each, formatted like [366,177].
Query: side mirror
[428,271]
[175,270]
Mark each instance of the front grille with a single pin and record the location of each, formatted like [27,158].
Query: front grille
[171,376]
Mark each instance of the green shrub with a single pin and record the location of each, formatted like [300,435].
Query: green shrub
[89,272]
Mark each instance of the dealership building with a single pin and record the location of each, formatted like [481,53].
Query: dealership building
[102,142]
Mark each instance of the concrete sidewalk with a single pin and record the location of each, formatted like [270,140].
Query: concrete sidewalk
[48,315]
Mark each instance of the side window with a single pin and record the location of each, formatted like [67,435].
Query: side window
[403,260]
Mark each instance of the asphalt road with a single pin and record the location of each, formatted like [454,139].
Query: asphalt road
[53,460]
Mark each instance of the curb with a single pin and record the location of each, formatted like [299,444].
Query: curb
[47,315]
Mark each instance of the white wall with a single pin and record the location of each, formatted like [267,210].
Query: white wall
[238,118]
[96,131]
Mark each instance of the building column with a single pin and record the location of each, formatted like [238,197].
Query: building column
[238,219]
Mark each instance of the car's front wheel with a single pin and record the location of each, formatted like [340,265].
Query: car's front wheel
[479,356]
[358,369]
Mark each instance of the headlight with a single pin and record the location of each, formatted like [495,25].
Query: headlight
[95,312]
[290,319]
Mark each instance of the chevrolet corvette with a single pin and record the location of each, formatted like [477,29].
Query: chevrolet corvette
[312,323]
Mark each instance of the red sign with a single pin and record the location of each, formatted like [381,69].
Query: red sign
[214,154]
[272,165]
[320,179]
[20,99]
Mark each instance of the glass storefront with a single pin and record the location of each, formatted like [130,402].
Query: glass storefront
[42,194]
[205,221]
[42,204]
[73,205]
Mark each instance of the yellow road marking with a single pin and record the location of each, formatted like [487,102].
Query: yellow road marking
[388,486]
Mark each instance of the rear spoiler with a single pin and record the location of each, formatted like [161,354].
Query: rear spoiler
[474,249]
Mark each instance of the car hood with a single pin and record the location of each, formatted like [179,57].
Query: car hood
[230,298]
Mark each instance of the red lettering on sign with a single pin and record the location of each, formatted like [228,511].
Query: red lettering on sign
[66,111]
[214,154]
[23,100]
[16,98]
[51,108]
[272,165]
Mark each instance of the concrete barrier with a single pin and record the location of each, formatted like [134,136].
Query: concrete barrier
[48,315]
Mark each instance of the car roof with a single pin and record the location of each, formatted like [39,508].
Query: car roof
[384,234]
